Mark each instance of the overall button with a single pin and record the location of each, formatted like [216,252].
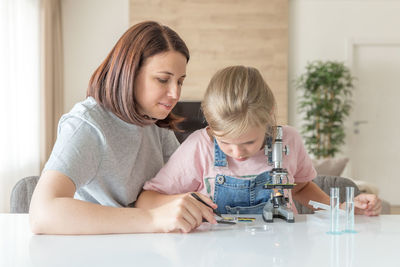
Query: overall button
[220,179]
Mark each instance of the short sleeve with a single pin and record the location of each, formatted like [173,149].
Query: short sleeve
[78,150]
[169,144]
[305,170]
[182,173]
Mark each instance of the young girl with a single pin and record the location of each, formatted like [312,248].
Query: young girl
[111,143]
[225,162]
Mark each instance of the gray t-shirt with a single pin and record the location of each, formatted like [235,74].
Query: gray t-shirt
[108,159]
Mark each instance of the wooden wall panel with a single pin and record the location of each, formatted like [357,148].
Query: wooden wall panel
[221,33]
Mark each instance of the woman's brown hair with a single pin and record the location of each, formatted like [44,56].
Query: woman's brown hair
[112,84]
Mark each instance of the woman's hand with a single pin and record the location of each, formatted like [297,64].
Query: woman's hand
[182,212]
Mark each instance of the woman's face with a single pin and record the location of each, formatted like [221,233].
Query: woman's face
[245,146]
[159,82]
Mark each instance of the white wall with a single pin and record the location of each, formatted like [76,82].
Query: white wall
[91,28]
[318,29]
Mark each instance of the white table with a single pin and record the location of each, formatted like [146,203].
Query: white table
[303,243]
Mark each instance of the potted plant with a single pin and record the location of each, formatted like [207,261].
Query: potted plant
[326,103]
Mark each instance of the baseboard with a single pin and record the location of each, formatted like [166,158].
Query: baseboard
[395,209]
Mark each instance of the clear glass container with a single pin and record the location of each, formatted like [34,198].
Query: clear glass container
[335,225]
[349,225]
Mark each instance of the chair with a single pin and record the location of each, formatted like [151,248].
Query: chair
[21,194]
[325,183]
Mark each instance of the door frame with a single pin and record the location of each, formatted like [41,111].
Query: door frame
[351,45]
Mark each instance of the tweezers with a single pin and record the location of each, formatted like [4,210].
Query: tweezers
[214,210]
[225,222]
[202,201]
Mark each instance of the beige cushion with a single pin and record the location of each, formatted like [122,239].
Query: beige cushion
[366,187]
[330,166]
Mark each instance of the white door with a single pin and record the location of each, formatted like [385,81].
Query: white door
[373,136]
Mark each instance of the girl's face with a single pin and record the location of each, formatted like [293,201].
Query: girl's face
[158,84]
[244,146]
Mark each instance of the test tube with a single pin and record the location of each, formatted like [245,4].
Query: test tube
[335,211]
[349,227]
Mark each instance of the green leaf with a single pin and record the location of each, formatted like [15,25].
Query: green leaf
[325,103]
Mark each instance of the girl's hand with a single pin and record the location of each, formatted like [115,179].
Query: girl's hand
[367,204]
[183,213]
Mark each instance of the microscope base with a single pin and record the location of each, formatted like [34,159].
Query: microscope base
[270,212]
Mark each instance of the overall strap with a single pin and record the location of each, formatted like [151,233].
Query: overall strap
[219,156]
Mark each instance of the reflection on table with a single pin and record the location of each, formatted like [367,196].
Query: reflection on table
[303,243]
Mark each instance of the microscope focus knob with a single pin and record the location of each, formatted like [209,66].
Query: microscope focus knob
[286,150]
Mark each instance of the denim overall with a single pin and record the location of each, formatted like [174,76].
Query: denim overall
[234,195]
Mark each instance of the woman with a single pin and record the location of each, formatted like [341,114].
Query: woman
[112,142]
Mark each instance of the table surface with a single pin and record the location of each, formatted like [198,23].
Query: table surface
[303,243]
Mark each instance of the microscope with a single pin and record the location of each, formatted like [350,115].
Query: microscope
[277,206]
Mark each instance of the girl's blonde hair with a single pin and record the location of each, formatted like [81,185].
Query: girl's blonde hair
[236,99]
